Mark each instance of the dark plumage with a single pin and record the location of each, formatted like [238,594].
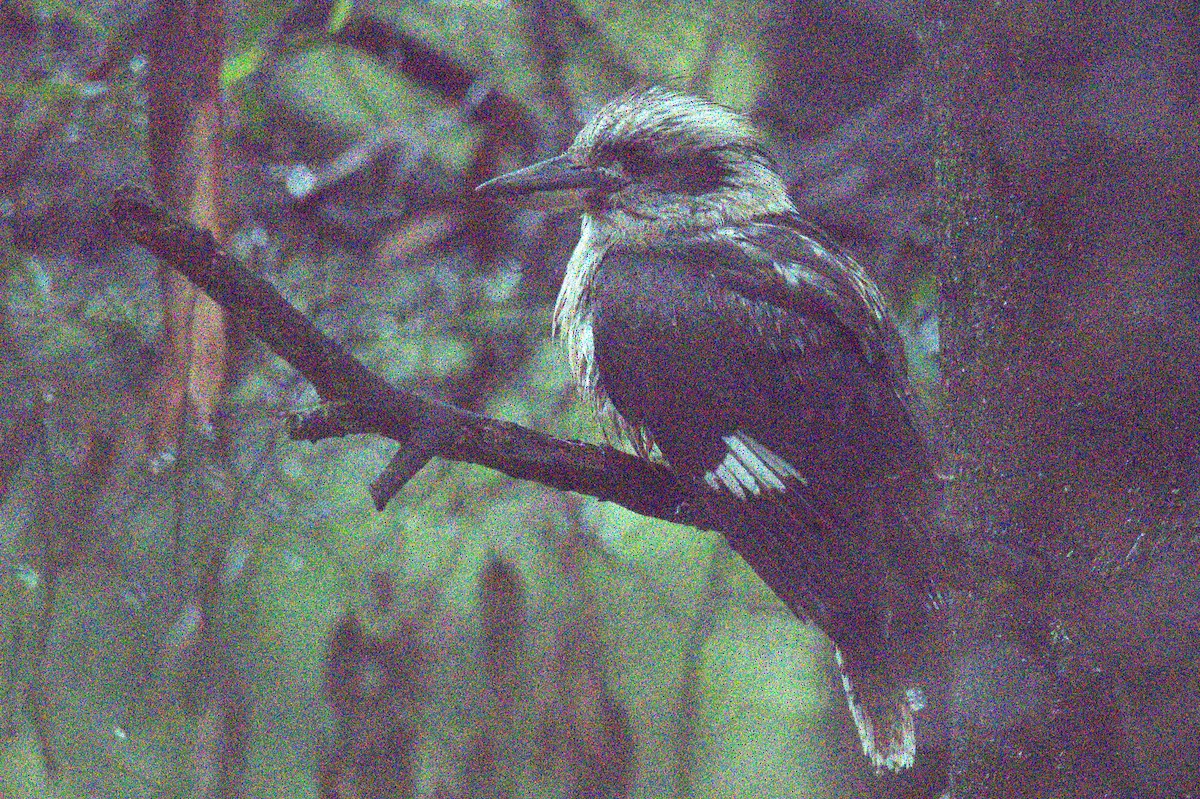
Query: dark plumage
[702,315]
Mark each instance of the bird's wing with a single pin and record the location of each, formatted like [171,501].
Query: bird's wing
[769,392]
[795,265]
[804,270]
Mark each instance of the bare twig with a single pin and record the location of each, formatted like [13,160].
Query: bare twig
[358,401]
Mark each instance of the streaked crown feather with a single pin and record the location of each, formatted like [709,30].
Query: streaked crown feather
[665,121]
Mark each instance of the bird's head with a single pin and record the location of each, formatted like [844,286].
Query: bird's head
[654,164]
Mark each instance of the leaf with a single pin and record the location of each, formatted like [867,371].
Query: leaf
[339,15]
[350,94]
[241,65]
[48,90]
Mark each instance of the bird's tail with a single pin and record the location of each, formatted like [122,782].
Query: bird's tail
[885,721]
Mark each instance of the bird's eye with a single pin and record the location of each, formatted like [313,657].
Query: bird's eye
[639,163]
[699,175]
[690,173]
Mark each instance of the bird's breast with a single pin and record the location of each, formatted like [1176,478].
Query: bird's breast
[573,312]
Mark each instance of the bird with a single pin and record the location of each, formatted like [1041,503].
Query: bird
[712,327]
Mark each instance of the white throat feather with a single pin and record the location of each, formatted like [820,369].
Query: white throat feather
[573,319]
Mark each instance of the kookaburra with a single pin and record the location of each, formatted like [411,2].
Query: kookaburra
[703,316]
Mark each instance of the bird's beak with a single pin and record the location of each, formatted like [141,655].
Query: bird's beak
[556,184]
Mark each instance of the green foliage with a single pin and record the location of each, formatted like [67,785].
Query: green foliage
[261,19]
[339,15]
[674,561]
[295,596]
[92,694]
[407,352]
[48,89]
[645,650]
[764,718]
[669,41]
[487,36]
[347,93]
[78,13]
[241,65]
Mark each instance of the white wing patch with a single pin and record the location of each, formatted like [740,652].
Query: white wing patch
[749,469]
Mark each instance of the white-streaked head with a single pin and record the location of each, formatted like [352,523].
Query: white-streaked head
[653,163]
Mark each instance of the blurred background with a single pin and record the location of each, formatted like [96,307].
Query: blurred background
[191,604]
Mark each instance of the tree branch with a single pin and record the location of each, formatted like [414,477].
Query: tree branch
[358,401]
